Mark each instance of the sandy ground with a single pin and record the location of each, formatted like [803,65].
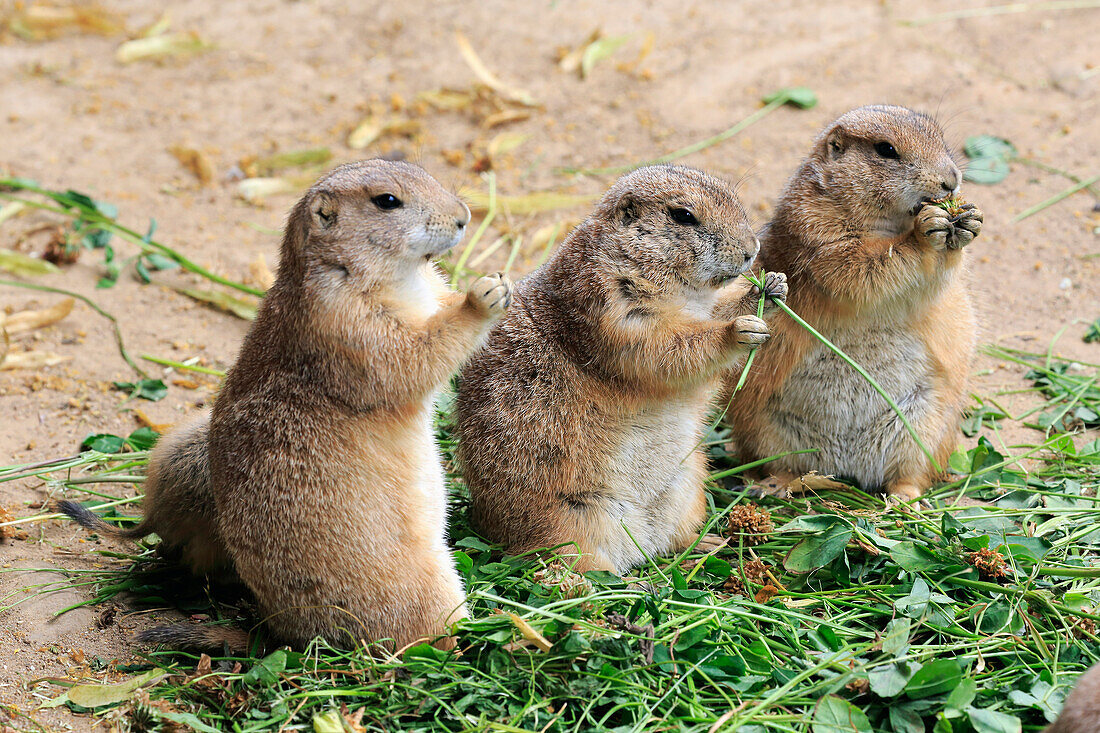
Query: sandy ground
[284,76]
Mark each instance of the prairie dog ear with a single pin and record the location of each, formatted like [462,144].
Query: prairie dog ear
[626,211]
[322,210]
[836,142]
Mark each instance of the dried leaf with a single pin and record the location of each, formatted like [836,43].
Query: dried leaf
[448,100]
[599,50]
[29,320]
[374,127]
[94,696]
[530,633]
[570,63]
[527,203]
[254,190]
[39,22]
[487,77]
[146,422]
[159,47]
[226,302]
[30,360]
[813,481]
[291,159]
[21,264]
[158,27]
[505,143]
[195,161]
[260,273]
[505,117]
[766,593]
[10,209]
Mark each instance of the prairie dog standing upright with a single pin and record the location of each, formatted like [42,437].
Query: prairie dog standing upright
[324,465]
[579,421]
[880,271]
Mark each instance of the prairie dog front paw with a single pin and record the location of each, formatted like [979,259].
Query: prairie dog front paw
[941,229]
[968,225]
[775,288]
[750,330]
[490,295]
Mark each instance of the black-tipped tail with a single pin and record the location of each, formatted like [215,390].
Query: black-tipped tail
[191,637]
[89,520]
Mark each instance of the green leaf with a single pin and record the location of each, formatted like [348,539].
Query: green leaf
[95,696]
[20,264]
[103,442]
[328,722]
[599,50]
[986,171]
[961,697]
[833,714]
[914,558]
[266,671]
[819,550]
[888,680]
[904,720]
[160,262]
[991,721]
[143,438]
[896,641]
[219,299]
[801,97]
[989,146]
[1092,335]
[153,390]
[935,678]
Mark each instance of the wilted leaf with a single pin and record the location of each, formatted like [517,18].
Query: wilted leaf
[39,22]
[896,640]
[989,146]
[813,481]
[487,77]
[23,265]
[10,209]
[801,97]
[254,190]
[30,360]
[29,320]
[195,161]
[598,50]
[226,302]
[527,203]
[833,714]
[375,126]
[291,159]
[888,680]
[570,62]
[153,390]
[529,632]
[267,670]
[986,170]
[818,550]
[328,722]
[505,117]
[158,27]
[159,47]
[448,100]
[103,442]
[94,696]
[765,594]
[505,143]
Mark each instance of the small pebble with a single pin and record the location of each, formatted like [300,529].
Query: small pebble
[1066,283]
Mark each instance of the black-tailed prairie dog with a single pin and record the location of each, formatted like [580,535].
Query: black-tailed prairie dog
[1081,712]
[579,420]
[881,271]
[323,465]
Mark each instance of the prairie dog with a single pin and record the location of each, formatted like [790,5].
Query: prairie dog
[1081,711]
[178,504]
[881,272]
[323,463]
[583,411]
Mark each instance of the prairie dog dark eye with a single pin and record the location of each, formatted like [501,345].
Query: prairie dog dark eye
[682,216]
[386,201]
[886,150]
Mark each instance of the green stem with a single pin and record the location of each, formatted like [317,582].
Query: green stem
[862,372]
[182,366]
[93,306]
[1055,198]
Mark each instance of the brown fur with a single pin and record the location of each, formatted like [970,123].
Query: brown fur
[882,274]
[583,410]
[324,465]
[1081,712]
[178,504]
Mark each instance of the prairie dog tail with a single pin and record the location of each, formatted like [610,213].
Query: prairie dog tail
[90,520]
[192,637]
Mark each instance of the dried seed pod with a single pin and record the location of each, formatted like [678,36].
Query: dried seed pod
[750,524]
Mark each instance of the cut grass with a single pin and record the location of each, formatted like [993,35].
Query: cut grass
[868,605]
